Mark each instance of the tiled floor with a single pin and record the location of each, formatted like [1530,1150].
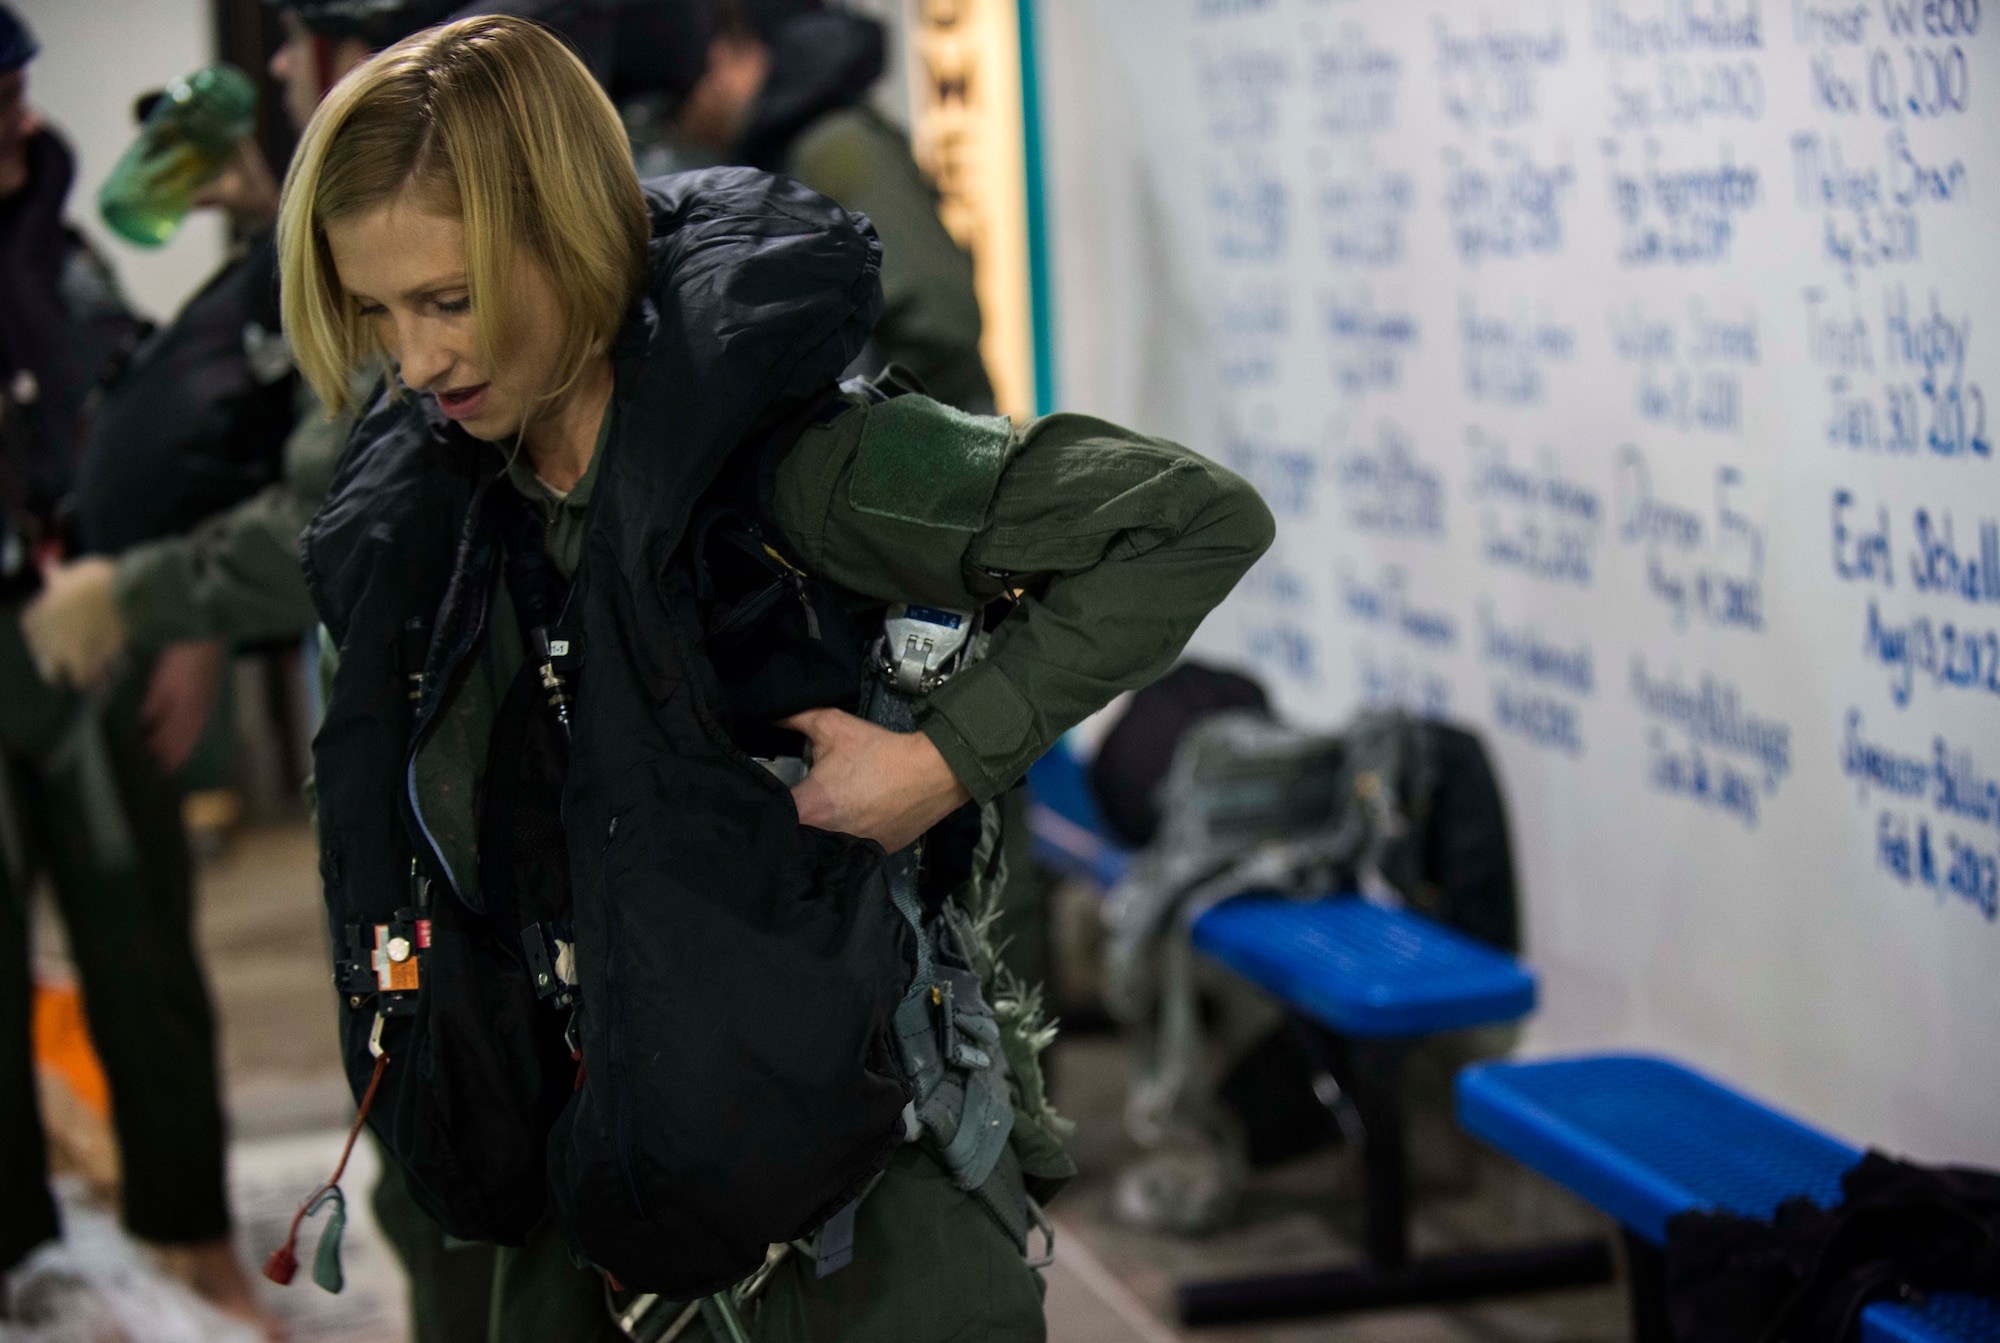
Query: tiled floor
[1306,1214]
[261,927]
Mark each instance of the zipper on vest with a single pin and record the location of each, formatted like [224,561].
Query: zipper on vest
[435,680]
[614,1022]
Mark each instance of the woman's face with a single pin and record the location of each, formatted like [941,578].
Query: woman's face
[405,267]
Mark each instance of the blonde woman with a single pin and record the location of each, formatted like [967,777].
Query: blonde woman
[646,854]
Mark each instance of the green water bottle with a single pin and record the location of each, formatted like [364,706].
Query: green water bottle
[184,144]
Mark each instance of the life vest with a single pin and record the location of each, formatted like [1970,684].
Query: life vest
[736,975]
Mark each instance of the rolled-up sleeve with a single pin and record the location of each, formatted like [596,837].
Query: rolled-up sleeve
[1118,544]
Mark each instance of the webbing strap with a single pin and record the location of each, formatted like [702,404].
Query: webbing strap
[836,1242]
[890,709]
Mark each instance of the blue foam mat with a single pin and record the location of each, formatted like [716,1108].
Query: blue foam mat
[1644,1138]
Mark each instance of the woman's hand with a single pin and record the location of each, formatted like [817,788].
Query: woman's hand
[868,781]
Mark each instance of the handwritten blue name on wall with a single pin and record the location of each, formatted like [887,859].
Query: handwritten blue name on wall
[1689,370]
[1253,323]
[1278,636]
[1232,9]
[1354,86]
[1368,347]
[1708,746]
[1286,647]
[1385,604]
[1681,63]
[1401,682]
[1283,474]
[1389,490]
[1642,28]
[1679,216]
[1362,218]
[1938,565]
[1240,90]
[1949,778]
[1936,562]
[1931,850]
[1489,76]
[1914,66]
[1533,520]
[1922,401]
[1508,207]
[1506,353]
[1537,684]
[1698,562]
[1932,346]
[1272,581]
[1871,209]
[1249,210]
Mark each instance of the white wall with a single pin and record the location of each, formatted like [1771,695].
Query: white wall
[97,56]
[1272,219]
[891,94]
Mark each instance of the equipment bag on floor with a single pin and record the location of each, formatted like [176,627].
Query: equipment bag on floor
[1404,809]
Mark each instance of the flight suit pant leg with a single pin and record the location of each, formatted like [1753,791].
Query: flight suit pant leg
[451,1282]
[930,1266]
[27,1212]
[540,1295]
[1024,930]
[130,918]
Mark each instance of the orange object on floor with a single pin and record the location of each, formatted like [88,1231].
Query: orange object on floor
[62,1045]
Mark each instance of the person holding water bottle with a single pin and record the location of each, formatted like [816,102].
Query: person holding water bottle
[88,804]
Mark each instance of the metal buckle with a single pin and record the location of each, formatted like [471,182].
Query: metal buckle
[923,645]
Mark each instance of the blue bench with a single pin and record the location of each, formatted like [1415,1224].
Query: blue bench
[1948,1317]
[1069,835]
[1644,1138]
[1361,982]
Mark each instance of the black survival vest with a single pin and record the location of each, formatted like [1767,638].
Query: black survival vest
[737,973]
[198,419]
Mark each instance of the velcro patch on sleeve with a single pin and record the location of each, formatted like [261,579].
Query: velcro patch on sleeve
[929,464]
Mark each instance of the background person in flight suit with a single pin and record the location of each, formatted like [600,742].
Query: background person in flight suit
[784,88]
[1121,543]
[86,802]
[234,579]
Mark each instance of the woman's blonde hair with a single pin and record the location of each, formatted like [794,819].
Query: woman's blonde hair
[492,121]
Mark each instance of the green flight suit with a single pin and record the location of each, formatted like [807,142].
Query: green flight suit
[930,311]
[82,801]
[930,325]
[1123,544]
